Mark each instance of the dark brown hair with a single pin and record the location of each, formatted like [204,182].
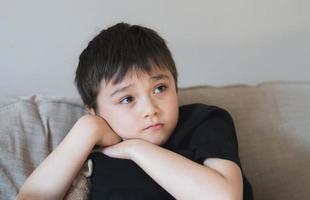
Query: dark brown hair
[116,51]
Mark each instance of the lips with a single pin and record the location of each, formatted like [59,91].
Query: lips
[154,127]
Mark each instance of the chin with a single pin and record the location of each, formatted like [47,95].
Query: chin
[159,141]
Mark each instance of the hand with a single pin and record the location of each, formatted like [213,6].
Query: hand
[124,149]
[102,132]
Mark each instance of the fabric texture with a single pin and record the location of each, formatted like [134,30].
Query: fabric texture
[21,131]
[79,189]
[30,128]
[272,122]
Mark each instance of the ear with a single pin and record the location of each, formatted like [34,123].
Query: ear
[90,111]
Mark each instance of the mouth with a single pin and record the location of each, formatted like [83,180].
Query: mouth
[155,127]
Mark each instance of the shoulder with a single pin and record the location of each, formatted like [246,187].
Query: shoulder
[208,122]
[208,131]
[202,111]
[210,116]
[200,107]
[201,120]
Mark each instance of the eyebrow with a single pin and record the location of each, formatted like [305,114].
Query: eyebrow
[159,77]
[121,89]
[155,78]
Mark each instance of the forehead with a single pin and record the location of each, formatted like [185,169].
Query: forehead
[136,75]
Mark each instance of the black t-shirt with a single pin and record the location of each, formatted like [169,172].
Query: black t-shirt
[202,132]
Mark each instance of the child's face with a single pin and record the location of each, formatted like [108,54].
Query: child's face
[139,102]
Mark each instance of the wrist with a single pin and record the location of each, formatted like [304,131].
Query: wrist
[85,133]
[137,147]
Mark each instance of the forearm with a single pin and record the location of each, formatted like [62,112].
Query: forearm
[55,174]
[181,177]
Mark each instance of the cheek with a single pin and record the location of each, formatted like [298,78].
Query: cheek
[172,108]
[124,126]
[172,102]
[120,120]
[173,115]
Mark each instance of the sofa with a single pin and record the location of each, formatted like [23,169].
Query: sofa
[272,121]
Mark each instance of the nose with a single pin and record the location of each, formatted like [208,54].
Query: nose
[149,108]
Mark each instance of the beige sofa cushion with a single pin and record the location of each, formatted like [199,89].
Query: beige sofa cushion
[272,122]
[273,127]
[30,127]
[23,143]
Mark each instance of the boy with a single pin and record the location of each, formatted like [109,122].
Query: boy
[152,149]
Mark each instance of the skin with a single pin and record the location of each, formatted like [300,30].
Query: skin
[141,100]
[120,125]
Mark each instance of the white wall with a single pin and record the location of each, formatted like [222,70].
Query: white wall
[215,42]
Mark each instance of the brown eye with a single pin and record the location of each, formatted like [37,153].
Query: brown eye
[160,89]
[126,100]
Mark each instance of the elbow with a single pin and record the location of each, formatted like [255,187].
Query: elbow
[23,195]
[233,193]
[233,197]
[222,194]
[32,195]
[230,192]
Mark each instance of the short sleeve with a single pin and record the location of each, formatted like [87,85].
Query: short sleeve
[215,137]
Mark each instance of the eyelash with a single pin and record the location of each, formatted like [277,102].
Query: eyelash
[130,97]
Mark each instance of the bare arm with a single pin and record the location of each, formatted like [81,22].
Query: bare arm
[181,177]
[55,174]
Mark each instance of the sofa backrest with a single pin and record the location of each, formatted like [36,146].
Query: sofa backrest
[272,121]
